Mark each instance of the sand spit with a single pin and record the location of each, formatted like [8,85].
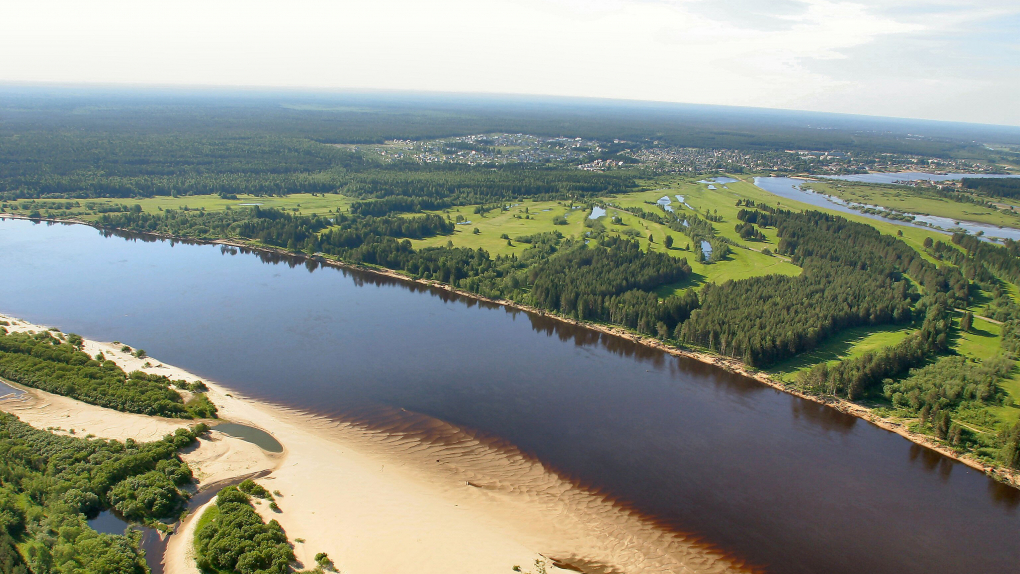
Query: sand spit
[406,494]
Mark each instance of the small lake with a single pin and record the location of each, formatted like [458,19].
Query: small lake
[783,483]
[666,203]
[256,436]
[108,522]
[720,179]
[791,188]
[706,249]
[596,212]
[683,201]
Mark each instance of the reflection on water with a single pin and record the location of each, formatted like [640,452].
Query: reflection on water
[108,522]
[770,478]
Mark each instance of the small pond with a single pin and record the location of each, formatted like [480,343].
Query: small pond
[6,389]
[706,248]
[108,522]
[597,212]
[256,436]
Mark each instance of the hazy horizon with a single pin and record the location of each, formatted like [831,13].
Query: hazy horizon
[944,60]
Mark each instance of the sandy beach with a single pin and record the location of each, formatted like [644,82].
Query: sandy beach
[423,496]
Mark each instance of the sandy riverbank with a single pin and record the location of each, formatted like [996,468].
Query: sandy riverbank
[422,497]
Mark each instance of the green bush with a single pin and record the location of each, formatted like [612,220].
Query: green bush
[44,362]
[238,540]
[200,407]
[147,496]
[252,488]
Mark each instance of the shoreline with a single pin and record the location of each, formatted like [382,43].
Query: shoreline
[452,501]
[998,472]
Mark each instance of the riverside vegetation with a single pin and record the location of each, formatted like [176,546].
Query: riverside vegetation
[51,484]
[731,270]
[55,363]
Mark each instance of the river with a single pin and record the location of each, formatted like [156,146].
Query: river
[791,188]
[783,483]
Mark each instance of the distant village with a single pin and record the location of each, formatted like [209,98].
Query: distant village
[502,149]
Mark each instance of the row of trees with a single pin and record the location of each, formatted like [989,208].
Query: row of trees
[764,320]
[1008,188]
[1003,261]
[44,361]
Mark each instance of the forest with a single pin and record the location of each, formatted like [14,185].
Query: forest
[51,484]
[49,363]
[1007,188]
[612,282]
[853,275]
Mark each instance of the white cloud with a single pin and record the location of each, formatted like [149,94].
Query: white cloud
[812,54]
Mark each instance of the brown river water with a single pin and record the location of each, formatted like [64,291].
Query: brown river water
[778,482]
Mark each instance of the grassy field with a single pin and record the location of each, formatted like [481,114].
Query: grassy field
[915,200]
[527,218]
[846,345]
[303,203]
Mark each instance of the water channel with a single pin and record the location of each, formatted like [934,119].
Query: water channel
[783,483]
[791,188]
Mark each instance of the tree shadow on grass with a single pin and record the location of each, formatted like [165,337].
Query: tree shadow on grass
[695,279]
[835,348]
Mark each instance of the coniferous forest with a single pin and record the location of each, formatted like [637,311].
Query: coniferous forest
[733,272]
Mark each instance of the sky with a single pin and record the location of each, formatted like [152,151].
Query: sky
[956,60]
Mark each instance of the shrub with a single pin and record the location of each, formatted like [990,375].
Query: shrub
[238,540]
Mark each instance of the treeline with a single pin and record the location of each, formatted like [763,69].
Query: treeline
[853,276]
[98,162]
[307,233]
[853,378]
[764,320]
[613,282]
[44,361]
[398,204]
[1003,261]
[1005,187]
[816,235]
[468,185]
[51,484]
